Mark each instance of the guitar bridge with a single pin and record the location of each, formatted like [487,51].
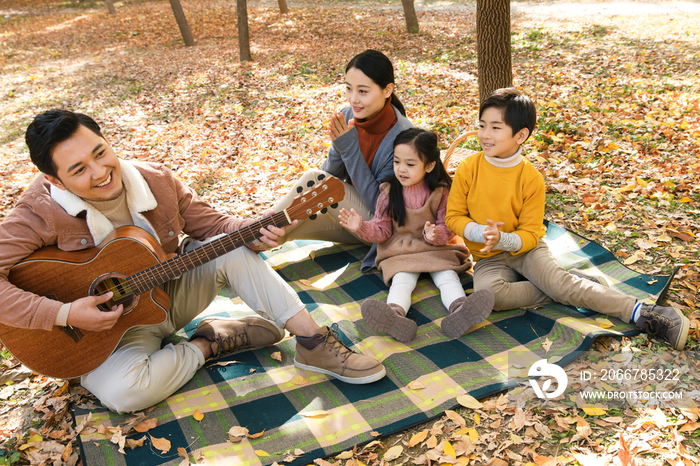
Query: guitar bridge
[73,333]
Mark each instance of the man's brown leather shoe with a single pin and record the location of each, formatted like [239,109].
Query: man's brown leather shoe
[230,335]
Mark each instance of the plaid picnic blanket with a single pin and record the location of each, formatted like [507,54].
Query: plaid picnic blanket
[272,397]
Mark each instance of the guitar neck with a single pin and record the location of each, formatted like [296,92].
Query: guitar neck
[165,271]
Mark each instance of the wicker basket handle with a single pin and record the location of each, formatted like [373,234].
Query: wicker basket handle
[453,146]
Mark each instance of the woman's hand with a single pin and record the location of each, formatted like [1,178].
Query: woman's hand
[350,220]
[492,235]
[337,126]
[430,231]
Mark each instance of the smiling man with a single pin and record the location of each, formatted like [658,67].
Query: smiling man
[83,195]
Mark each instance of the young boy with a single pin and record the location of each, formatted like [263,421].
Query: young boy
[497,205]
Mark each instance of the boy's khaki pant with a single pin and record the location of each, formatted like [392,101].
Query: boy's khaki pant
[140,373]
[325,227]
[535,277]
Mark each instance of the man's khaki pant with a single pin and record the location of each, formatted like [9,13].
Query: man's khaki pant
[140,373]
[535,277]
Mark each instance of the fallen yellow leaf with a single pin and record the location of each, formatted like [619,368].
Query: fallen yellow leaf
[546,345]
[236,434]
[469,401]
[417,438]
[261,453]
[277,355]
[604,323]
[449,450]
[319,413]
[299,380]
[133,444]
[393,452]
[416,385]
[197,415]
[161,444]
[592,410]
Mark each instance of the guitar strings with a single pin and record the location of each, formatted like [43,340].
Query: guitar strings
[120,288]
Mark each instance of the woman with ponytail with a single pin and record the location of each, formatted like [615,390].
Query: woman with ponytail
[362,150]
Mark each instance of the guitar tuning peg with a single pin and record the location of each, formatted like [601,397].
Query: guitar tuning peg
[310,183]
[313,217]
[299,189]
[324,210]
[321,176]
[334,206]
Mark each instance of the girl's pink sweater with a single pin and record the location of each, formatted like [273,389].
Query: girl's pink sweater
[379,228]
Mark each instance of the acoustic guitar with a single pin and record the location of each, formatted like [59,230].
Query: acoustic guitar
[131,264]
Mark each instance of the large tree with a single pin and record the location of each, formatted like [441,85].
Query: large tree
[409,12]
[182,23]
[110,7]
[283,6]
[493,46]
[243,35]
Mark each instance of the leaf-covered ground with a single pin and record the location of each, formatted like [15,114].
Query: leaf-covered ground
[617,91]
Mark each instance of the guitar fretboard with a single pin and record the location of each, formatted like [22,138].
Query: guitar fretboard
[172,268]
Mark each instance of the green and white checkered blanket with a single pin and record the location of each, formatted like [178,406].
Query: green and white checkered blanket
[267,395]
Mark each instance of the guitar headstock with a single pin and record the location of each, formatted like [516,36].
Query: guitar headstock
[321,195]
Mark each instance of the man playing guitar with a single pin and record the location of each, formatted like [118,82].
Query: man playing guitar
[84,193]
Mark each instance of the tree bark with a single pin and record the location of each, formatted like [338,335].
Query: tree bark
[182,23]
[243,35]
[493,46]
[411,19]
[110,7]
[283,6]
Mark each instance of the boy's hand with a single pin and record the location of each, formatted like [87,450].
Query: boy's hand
[492,235]
[350,220]
[430,231]
[337,126]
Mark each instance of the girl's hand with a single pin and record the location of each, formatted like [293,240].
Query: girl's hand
[337,126]
[430,231]
[492,235]
[350,220]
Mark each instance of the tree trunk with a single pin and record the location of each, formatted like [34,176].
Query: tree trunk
[411,19]
[110,7]
[493,46]
[243,35]
[182,23]
[283,7]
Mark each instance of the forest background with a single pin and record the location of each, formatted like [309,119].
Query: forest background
[618,140]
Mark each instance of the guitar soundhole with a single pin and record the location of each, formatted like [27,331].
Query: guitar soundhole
[123,293]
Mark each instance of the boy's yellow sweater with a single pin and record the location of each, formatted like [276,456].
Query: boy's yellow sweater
[481,191]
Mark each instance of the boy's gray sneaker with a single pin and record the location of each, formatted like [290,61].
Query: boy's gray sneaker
[469,311]
[330,356]
[381,317]
[590,275]
[230,335]
[665,322]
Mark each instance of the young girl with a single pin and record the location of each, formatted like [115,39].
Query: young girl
[361,153]
[409,225]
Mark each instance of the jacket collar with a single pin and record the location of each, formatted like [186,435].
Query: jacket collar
[139,198]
